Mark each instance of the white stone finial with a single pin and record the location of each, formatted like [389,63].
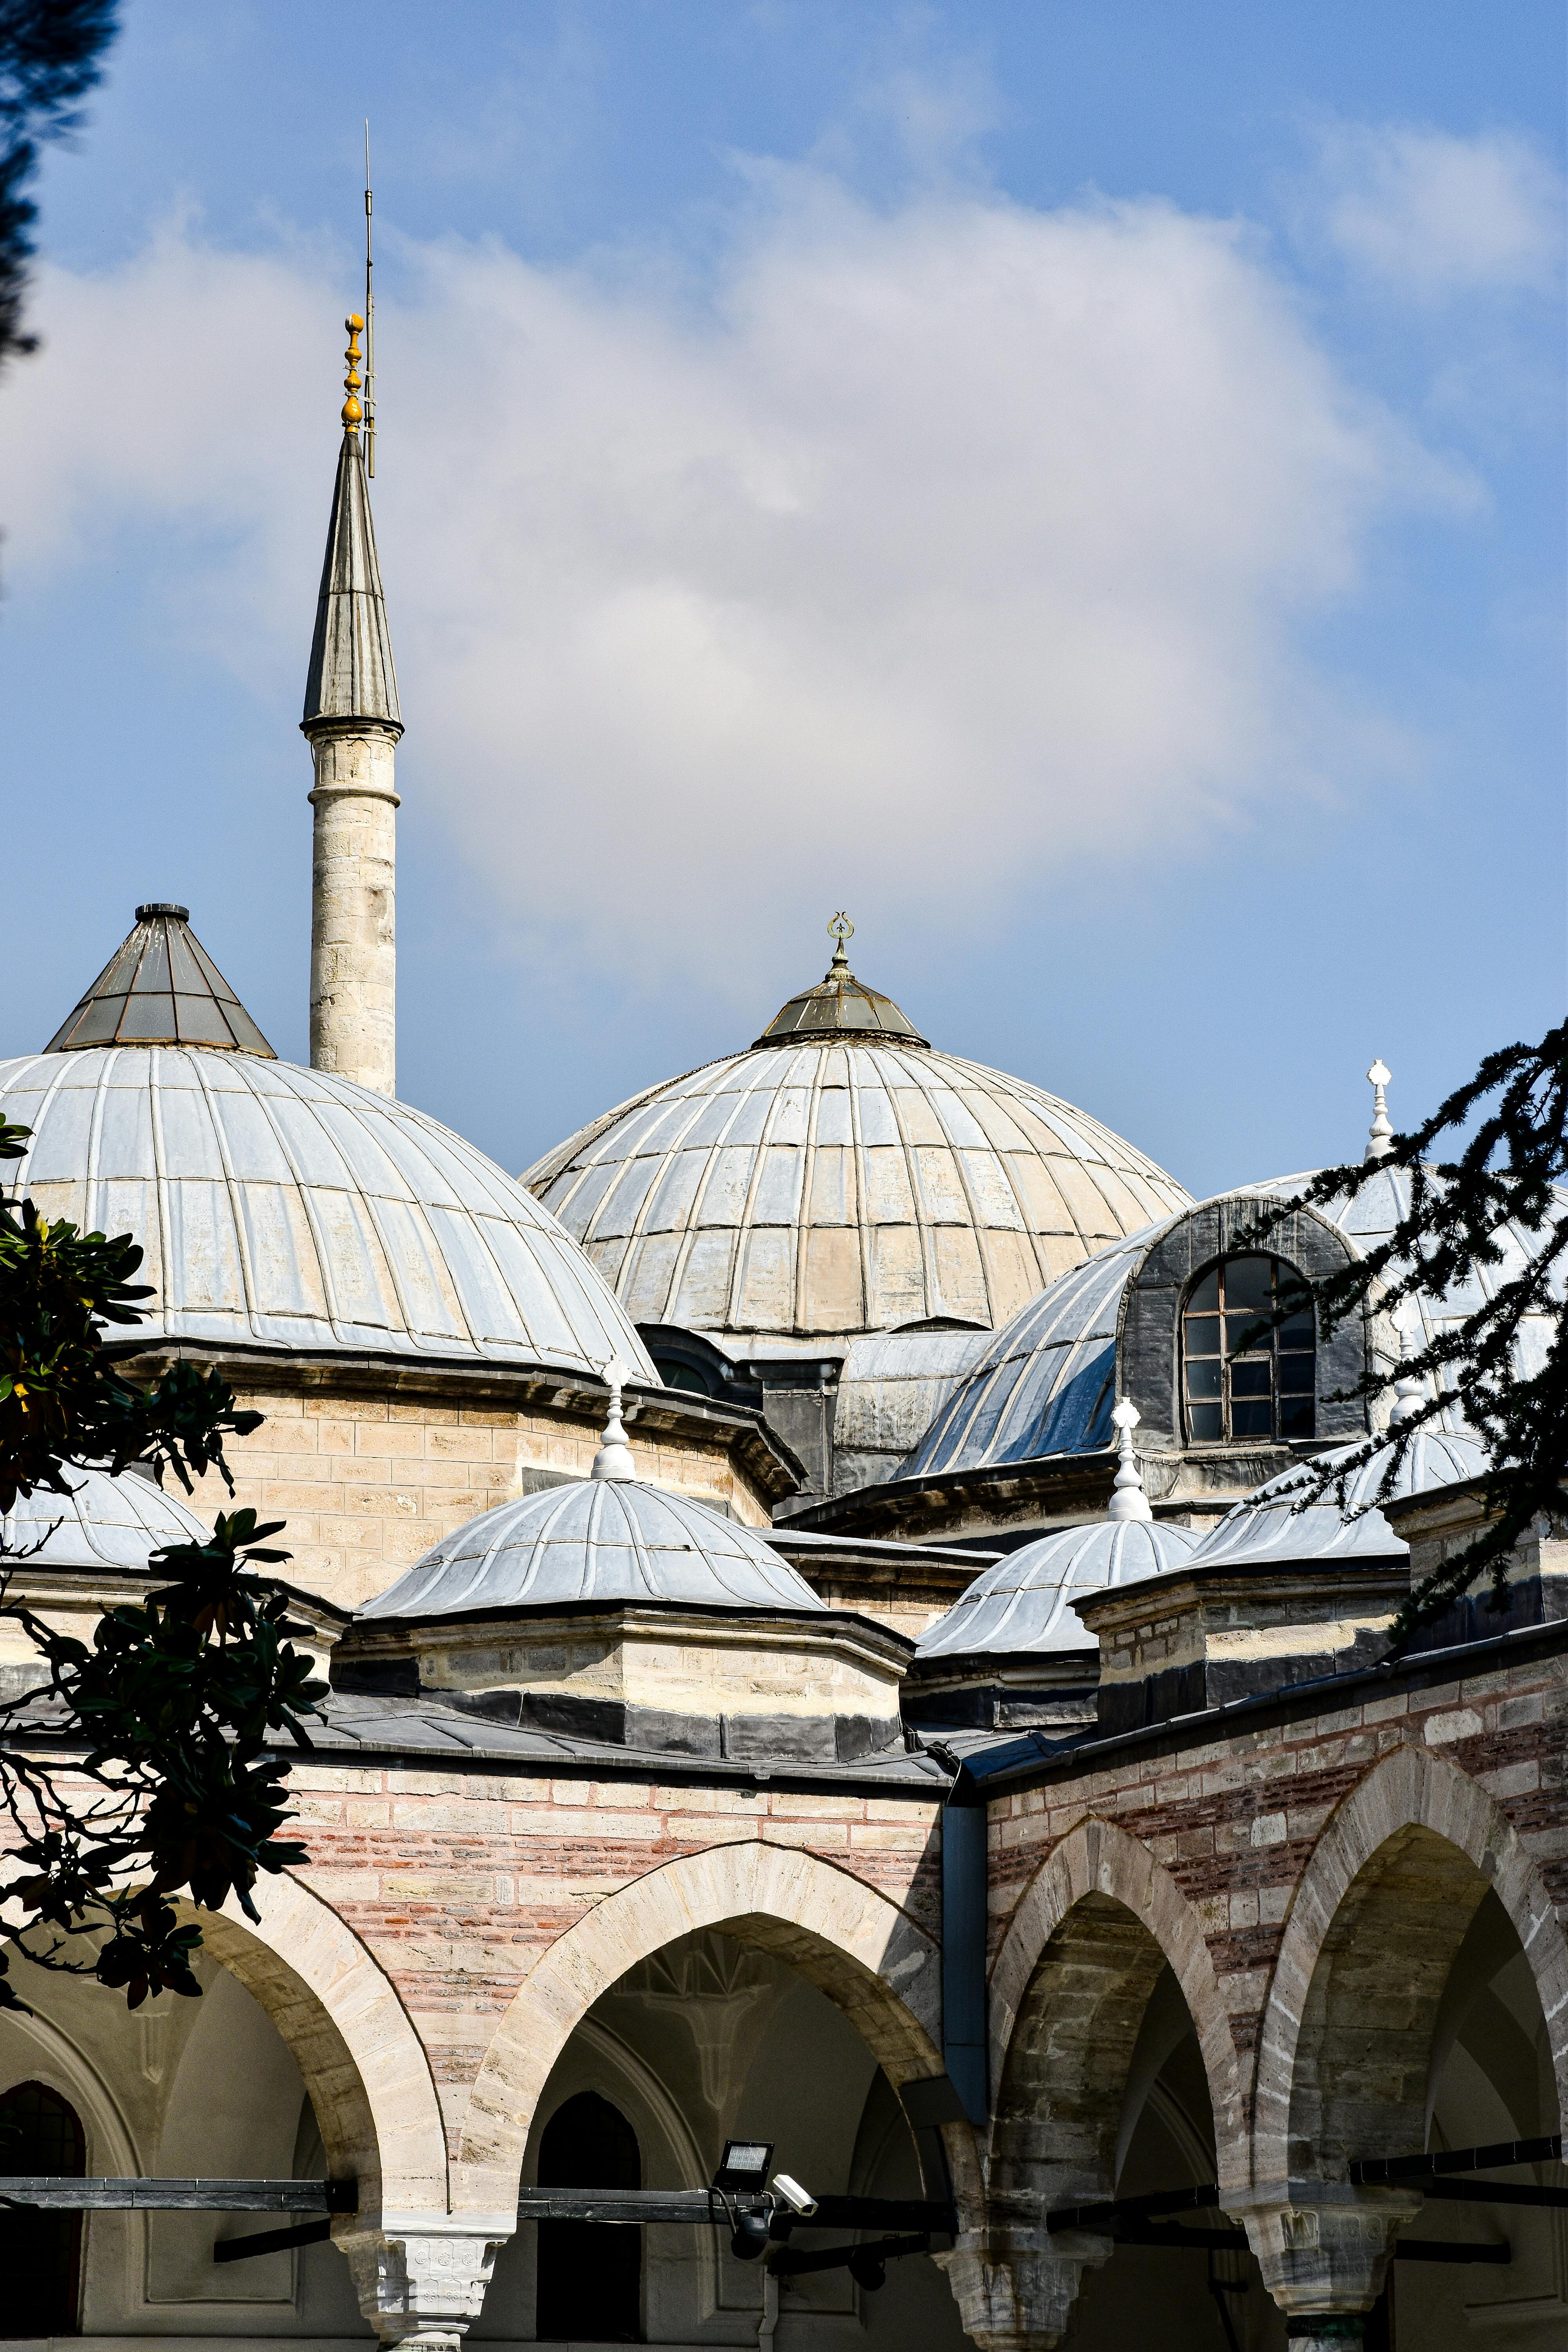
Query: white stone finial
[613,1458]
[1409,1396]
[1380,1142]
[1127,1500]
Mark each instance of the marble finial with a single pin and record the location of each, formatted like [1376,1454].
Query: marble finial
[1127,1500]
[1380,1142]
[1409,1396]
[613,1458]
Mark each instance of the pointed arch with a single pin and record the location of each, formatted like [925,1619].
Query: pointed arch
[867,1955]
[354,2042]
[1097,1859]
[1408,1792]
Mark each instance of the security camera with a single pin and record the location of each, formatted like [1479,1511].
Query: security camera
[791,2192]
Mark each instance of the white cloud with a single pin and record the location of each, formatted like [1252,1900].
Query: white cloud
[929,551]
[1434,216]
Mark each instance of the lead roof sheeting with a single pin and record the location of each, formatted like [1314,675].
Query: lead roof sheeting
[351,675]
[597,1540]
[285,1207]
[962,1191]
[1025,1602]
[1266,1531]
[159,986]
[104,1522]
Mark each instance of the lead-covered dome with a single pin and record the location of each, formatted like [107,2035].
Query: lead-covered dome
[1025,1602]
[596,1541]
[841,1177]
[1270,1529]
[102,1523]
[281,1207]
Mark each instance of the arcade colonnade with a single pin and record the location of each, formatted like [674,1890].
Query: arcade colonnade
[1307,1885]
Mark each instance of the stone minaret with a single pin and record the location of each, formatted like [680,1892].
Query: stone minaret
[352,724]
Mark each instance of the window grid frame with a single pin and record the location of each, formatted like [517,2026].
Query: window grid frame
[1269,1351]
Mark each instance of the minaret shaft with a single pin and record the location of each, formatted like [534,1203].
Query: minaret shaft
[352,722]
[353,904]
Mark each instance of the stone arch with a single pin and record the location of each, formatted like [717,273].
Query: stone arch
[354,2043]
[1400,1869]
[868,1956]
[1099,1872]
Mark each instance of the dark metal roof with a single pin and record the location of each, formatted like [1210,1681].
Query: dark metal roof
[160,988]
[350,674]
[839,1006]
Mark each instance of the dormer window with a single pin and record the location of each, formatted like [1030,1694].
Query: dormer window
[1239,1380]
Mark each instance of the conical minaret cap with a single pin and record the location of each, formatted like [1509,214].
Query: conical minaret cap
[350,674]
[161,987]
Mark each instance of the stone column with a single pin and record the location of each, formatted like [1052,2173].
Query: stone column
[420,2289]
[353,900]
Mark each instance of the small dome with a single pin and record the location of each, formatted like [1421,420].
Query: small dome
[114,1523]
[1025,1602]
[593,1541]
[842,1177]
[1259,1532]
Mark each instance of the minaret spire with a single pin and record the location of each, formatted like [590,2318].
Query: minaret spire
[351,722]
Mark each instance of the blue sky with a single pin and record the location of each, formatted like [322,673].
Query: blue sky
[1079,484]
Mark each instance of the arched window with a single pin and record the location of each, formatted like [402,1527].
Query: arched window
[41,2253]
[1241,1378]
[590,2272]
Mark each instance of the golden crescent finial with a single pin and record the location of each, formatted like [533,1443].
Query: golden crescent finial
[352,409]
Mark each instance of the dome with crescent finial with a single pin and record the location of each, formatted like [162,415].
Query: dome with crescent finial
[843,1176]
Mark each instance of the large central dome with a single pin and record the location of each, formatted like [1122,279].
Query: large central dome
[842,1176]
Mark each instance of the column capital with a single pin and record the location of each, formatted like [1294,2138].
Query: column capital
[421,2286]
[1015,2288]
[1323,2247]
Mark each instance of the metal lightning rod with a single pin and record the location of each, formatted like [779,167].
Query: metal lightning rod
[369,324]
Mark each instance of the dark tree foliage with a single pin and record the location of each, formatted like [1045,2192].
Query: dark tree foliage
[1446,1244]
[138,1769]
[51,54]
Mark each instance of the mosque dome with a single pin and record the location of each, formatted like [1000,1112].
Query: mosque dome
[842,1176]
[596,1542]
[286,1208]
[103,1523]
[1025,1602]
[1269,1530]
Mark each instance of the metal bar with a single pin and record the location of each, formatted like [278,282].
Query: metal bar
[272,2242]
[638,2207]
[1494,2192]
[787,2264]
[1150,2233]
[1105,2213]
[58,2193]
[1449,2249]
[1367,2169]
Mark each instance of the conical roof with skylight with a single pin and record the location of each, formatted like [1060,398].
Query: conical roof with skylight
[161,987]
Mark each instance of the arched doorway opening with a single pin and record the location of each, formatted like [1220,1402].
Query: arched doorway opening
[589,2275]
[41,2253]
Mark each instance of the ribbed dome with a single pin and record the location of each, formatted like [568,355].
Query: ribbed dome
[1025,1602]
[1260,1533]
[116,1522]
[839,1006]
[1045,1382]
[801,1191]
[281,1207]
[597,1540]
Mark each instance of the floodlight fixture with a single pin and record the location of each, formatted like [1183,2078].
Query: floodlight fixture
[749,2236]
[743,2170]
[803,2202]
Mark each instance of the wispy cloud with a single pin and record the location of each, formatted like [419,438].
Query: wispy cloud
[1431,215]
[933,550]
